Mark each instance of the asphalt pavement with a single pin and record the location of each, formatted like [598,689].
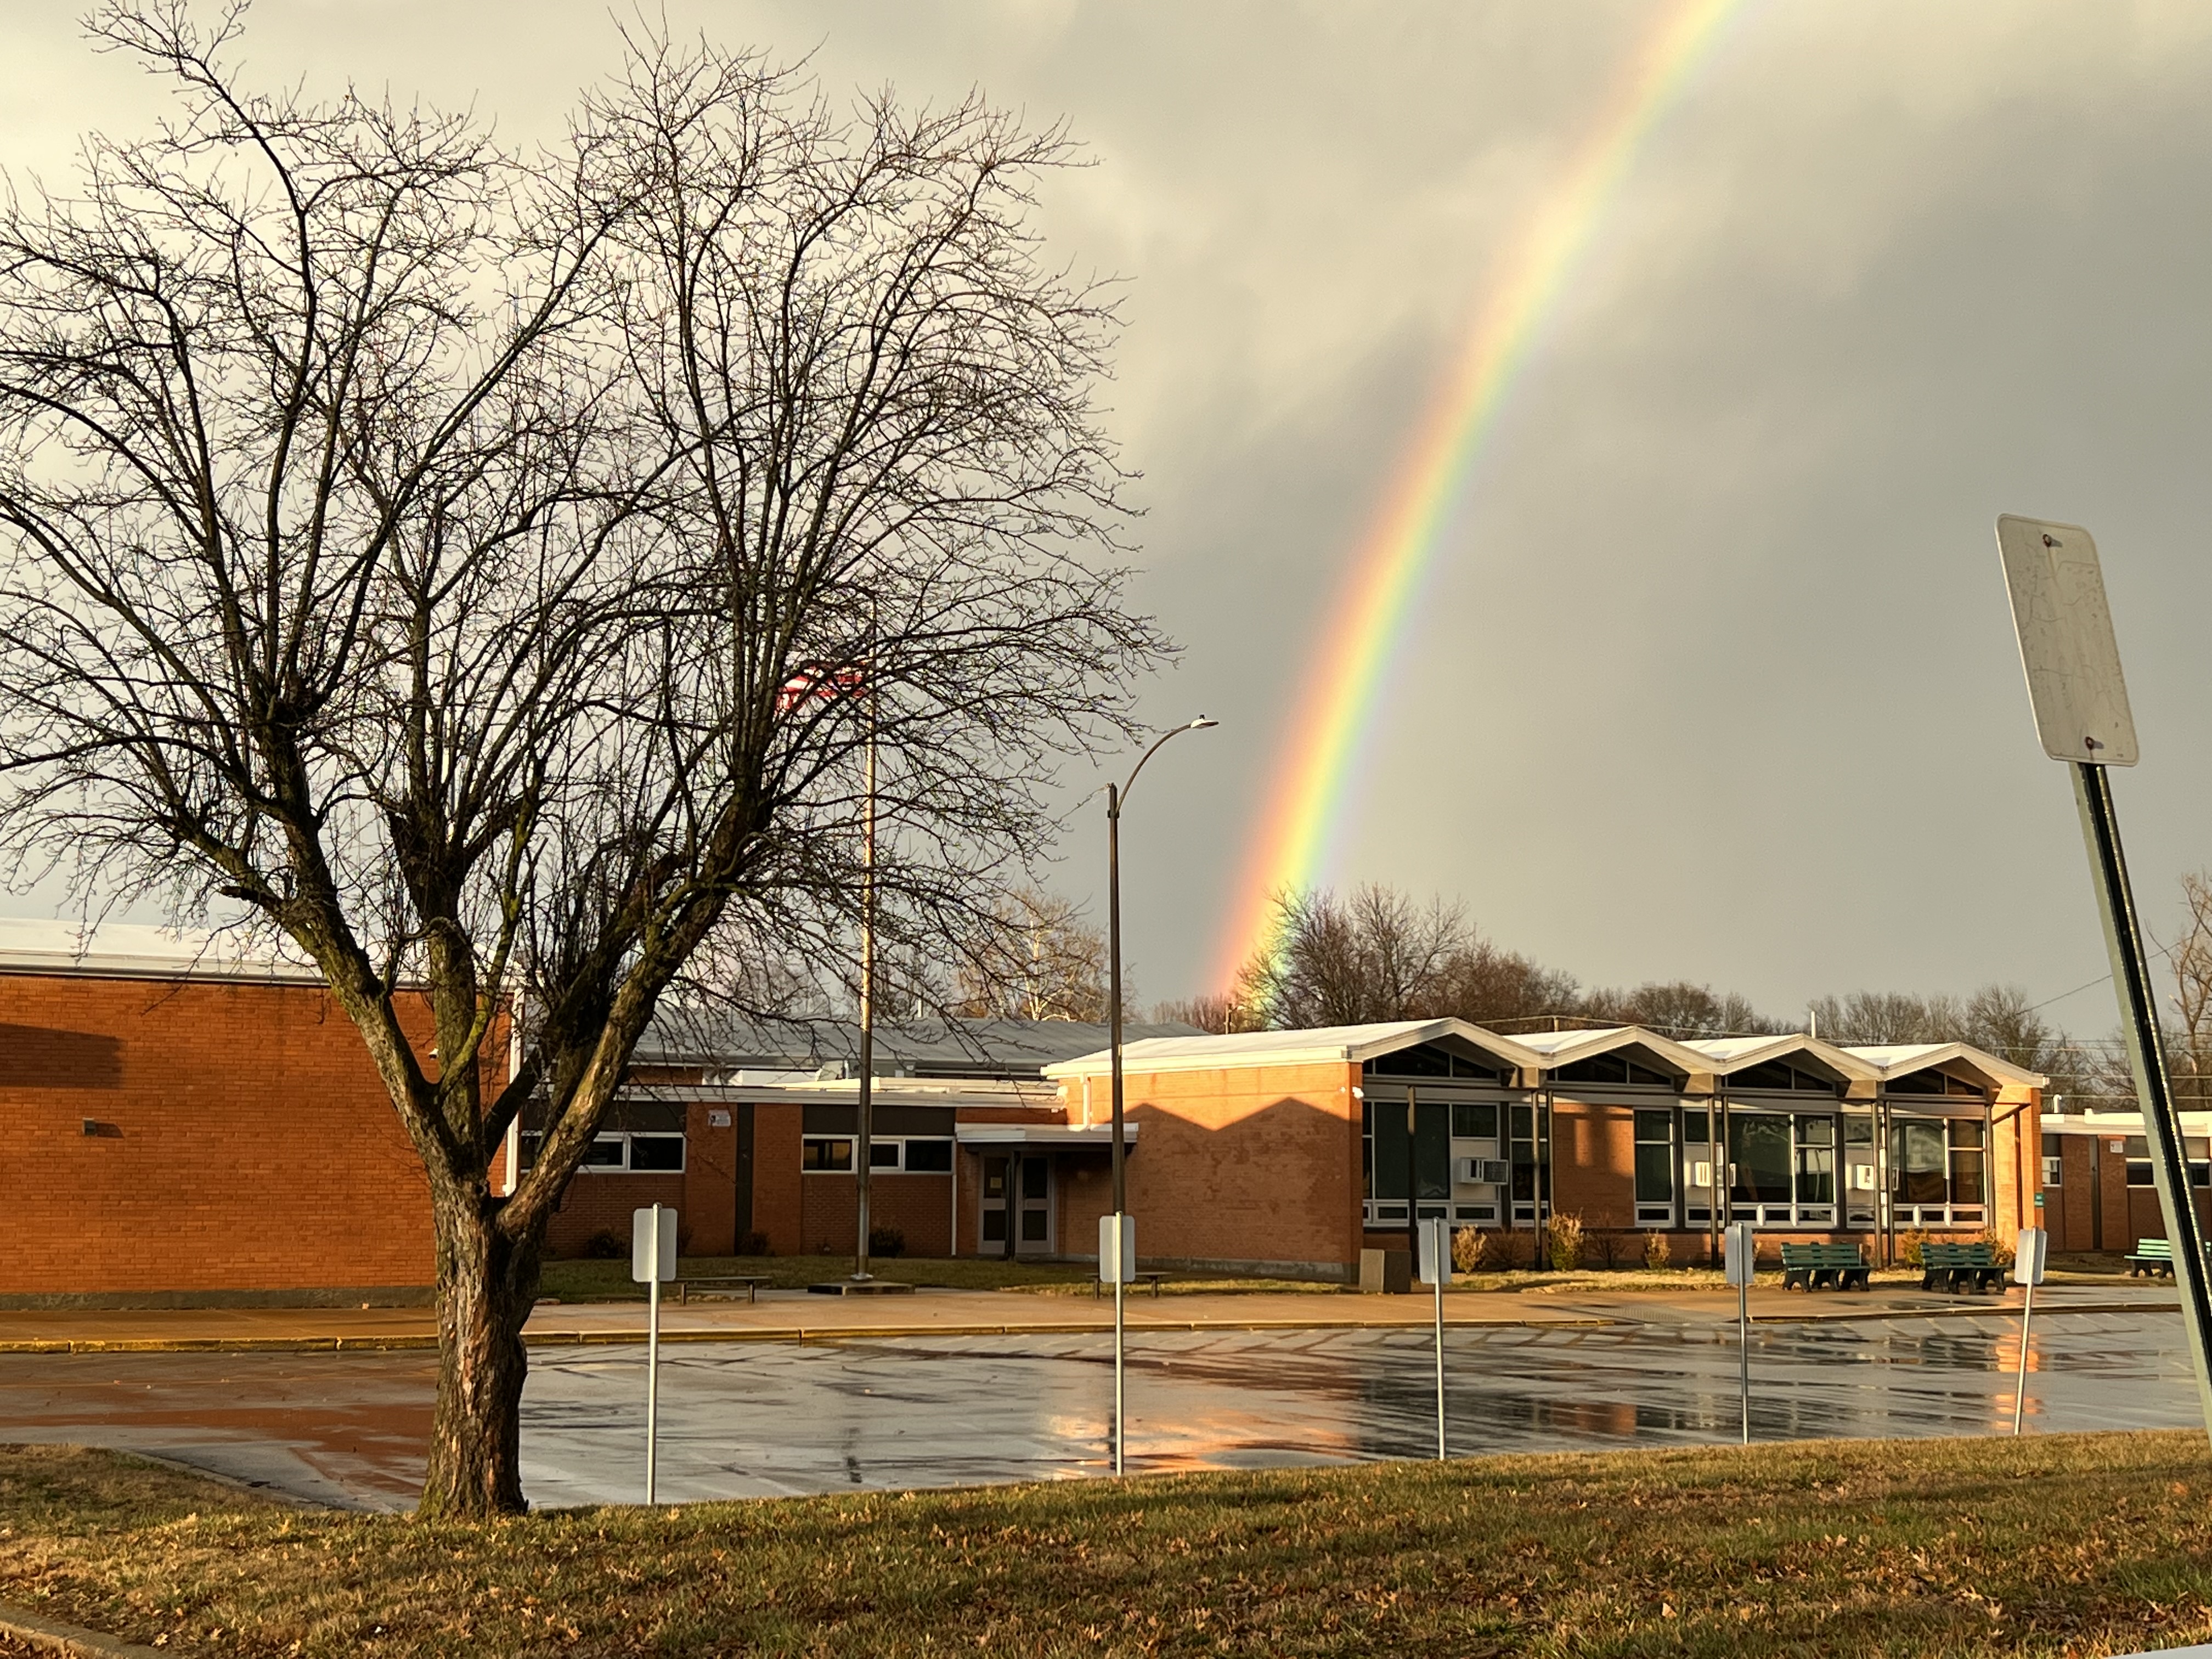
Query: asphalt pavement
[764,1416]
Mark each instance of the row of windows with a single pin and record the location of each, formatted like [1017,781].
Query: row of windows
[1783,1157]
[614,1153]
[833,1154]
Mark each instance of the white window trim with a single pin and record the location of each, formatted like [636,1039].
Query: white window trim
[876,1144]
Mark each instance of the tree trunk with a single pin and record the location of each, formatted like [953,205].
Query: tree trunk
[487,1283]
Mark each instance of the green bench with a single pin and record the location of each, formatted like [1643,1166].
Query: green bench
[2152,1257]
[1960,1267]
[1808,1267]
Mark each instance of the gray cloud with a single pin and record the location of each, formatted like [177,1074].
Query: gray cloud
[1715,675]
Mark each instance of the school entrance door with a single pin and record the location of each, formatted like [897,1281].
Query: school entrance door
[1018,1185]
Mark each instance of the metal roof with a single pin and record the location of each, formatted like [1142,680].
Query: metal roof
[130,949]
[1322,1045]
[1896,1060]
[1728,1055]
[980,1048]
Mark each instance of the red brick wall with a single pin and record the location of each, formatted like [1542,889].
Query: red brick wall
[1253,1165]
[776,1196]
[604,1203]
[919,1205]
[710,1179]
[243,1143]
[1593,1163]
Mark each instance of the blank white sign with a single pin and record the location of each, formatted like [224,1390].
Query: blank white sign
[2066,641]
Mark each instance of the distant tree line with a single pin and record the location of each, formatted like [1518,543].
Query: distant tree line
[1377,953]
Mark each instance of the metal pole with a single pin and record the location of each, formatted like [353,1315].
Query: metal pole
[1743,1346]
[2146,1055]
[1114,1044]
[1413,1178]
[1120,1420]
[1114,798]
[1444,1258]
[2020,1389]
[653,1363]
[1113,980]
[863,1159]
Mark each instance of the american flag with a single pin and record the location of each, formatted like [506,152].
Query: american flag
[824,684]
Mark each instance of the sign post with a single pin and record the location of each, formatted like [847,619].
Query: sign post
[1117,1266]
[1437,1270]
[1740,1257]
[2072,661]
[652,1264]
[2029,1257]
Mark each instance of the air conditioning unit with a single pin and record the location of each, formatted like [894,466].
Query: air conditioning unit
[1862,1178]
[1485,1171]
[1701,1174]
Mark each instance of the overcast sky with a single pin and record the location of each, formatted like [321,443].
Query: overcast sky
[1717,681]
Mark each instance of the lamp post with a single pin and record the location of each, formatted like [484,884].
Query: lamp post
[1116,799]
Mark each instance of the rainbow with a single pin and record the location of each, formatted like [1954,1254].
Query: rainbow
[1292,844]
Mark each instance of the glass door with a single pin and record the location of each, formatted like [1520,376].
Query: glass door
[1017,1199]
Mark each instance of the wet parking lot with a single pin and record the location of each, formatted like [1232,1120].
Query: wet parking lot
[752,1419]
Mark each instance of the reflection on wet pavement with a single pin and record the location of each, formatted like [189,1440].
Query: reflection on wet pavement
[757,1418]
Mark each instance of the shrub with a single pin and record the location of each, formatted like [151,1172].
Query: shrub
[2001,1252]
[1606,1244]
[1656,1250]
[1469,1249]
[606,1245]
[1564,1240]
[1908,1246]
[753,1243]
[886,1241]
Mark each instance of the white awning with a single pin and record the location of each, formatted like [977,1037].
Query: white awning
[1043,1137]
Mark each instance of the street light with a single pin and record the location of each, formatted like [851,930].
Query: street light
[1115,800]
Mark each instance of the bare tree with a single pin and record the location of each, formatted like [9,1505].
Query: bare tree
[498,579]
[1679,1008]
[1037,957]
[1220,1014]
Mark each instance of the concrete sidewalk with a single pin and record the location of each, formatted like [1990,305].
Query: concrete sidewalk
[794,1315]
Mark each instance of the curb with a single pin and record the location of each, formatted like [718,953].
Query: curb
[52,1636]
[1584,1320]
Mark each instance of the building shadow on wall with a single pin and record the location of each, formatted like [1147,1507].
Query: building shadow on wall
[42,1057]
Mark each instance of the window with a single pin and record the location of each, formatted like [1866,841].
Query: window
[1774,1075]
[1816,1160]
[1429,1060]
[1613,1068]
[883,1154]
[825,1154]
[1758,1151]
[613,1152]
[1654,1166]
[1939,1161]
[530,1140]
[1933,1082]
[1966,1160]
[1475,1122]
[2054,1171]
[2139,1168]
[929,1157]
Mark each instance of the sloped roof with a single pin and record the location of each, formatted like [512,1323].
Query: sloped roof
[1896,1060]
[1314,1046]
[1728,1055]
[1558,1048]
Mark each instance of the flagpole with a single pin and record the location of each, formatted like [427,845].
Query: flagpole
[863,1158]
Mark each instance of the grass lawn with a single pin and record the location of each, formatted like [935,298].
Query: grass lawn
[579,1280]
[2075,1545]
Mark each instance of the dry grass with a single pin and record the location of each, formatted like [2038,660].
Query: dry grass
[2067,1545]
